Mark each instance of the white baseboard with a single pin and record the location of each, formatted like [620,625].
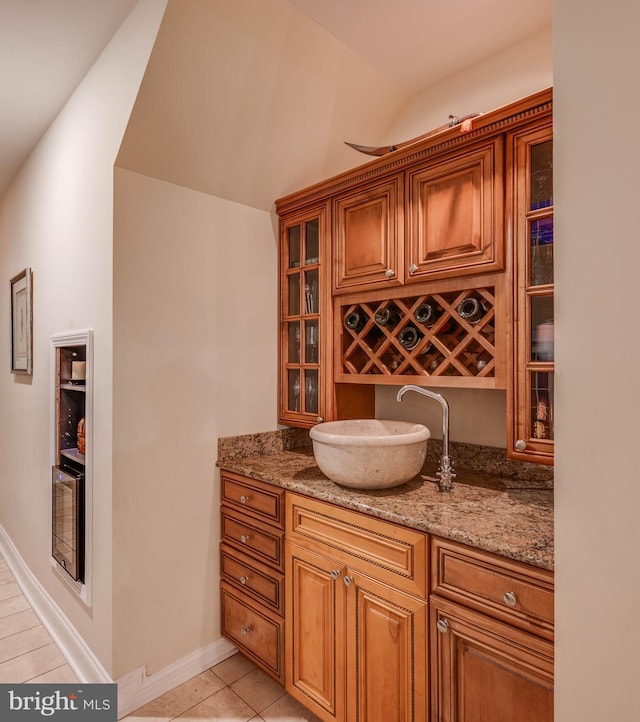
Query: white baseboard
[136,688]
[75,650]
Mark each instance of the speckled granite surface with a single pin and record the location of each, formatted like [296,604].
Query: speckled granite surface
[503,514]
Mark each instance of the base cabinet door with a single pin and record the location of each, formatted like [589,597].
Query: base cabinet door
[356,648]
[315,663]
[386,634]
[483,670]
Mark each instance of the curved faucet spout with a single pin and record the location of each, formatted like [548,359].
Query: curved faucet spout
[445,472]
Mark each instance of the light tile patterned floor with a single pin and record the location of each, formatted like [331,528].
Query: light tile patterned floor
[233,691]
[27,652]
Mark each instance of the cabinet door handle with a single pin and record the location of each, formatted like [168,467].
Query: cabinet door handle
[244,499]
[442,626]
[413,268]
[389,273]
[521,445]
[335,573]
[244,580]
[347,581]
[245,630]
[319,419]
[244,538]
[510,599]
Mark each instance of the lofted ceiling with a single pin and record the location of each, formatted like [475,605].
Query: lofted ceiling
[47,46]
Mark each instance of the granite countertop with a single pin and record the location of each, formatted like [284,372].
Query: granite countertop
[495,512]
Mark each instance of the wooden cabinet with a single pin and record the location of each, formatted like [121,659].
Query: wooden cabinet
[491,624]
[455,222]
[531,393]
[252,570]
[356,640]
[368,237]
[307,392]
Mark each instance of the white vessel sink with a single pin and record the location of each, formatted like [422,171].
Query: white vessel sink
[370,453]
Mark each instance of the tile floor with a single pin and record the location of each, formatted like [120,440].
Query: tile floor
[233,691]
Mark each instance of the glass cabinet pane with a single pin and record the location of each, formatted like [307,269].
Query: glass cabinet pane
[293,237]
[294,295]
[311,291]
[312,241]
[541,247]
[311,391]
[293,332]
[541,328]
[293,390]
[311,341]
[541,175]
[541,390]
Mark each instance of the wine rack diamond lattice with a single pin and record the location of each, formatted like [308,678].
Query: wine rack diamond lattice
[441,334]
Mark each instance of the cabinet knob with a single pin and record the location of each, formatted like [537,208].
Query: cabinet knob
[244,499]
[245,631]
[413,268]
[335,573]
[347,581]
[442,626]
[510,599]
[521,445]
[244,538]
[319,419]
[389,273]
[244,580]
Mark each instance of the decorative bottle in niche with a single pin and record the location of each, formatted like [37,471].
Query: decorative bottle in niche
[386,317]
[471,310]
[81,436]
[354,321]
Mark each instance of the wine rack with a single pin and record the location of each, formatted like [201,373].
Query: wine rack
[449,337]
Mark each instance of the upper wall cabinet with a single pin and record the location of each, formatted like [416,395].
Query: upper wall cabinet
[369,236]
[452,212]
[455,215]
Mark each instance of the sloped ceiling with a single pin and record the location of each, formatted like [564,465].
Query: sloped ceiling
[46,48]
[250,100]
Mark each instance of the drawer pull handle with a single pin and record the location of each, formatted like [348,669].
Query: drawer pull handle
[510,599]
[245,631]
[244,580]
[347,581]
[244,538]
[244,499]
[335,573]
[442,626]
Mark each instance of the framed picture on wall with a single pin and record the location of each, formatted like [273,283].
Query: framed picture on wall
[21,323]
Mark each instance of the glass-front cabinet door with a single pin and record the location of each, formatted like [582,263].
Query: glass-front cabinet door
[302,330]
[532,403]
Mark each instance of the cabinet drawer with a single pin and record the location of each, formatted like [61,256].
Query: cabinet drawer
[260,540]
[255,630]
[252,578]
[506,589]
[253,497]
[387,552]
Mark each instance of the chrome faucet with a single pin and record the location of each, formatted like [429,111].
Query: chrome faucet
[445,472]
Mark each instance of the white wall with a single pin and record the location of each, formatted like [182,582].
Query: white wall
[195,330]
[56,217]
[477,416]
[597,155]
